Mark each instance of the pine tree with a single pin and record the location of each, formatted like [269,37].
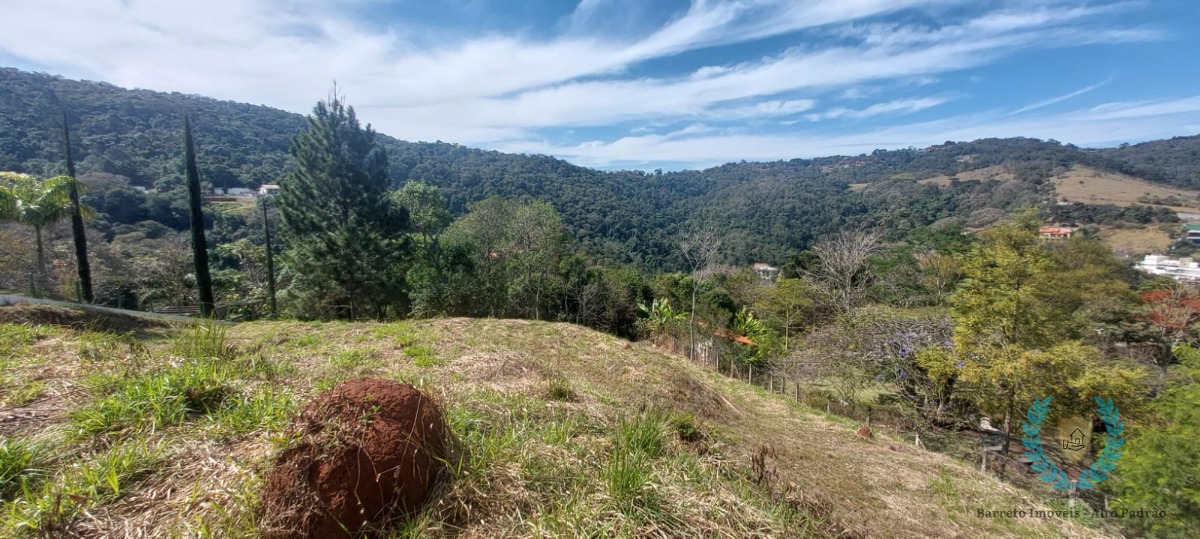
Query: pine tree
[77,230]
[199,245]
[345,238]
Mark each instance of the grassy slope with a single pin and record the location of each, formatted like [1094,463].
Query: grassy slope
[1084,184]
[561,431]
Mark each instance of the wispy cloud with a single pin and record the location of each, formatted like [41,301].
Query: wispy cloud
[1061,98]
[512,90]
[1095,126]
[902,106]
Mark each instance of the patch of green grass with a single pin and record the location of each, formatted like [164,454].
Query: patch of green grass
[97,347]
[268,409]
[46,508]
[204,340]
[17,337]
[304,341]
[20,466]
[260,366]
[422,356]
[402,333]
[944,485]
[352,358]
[18,394]
[626,476]
[684,426]
[163,398]
[643,433]
[637,440]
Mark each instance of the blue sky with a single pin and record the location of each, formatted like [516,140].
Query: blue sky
[663,83]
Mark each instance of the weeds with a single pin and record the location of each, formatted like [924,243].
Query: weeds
[268,409]
[204,341]
[352,358]
[260,366]
[636,441]
[626,475]
[94,347]
[20,466]
[684,426]
[304,341]
[164,398]
[23,393]
[641,434]
[422,356]
[46,507]
[558,387]
[16,337]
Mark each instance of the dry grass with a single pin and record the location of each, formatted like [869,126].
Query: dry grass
[1083,184]
[612,460]
[1136,241]
[996,172]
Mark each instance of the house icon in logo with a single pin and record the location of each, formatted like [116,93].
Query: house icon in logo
[1075,442]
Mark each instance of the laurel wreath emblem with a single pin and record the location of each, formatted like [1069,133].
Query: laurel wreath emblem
[1049,471]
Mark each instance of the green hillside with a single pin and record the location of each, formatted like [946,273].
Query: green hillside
[768,210]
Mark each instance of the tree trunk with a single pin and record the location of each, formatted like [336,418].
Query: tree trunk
[199,245]
[270,260]
[1007,434]
[692,323]
[41,253]
[82,266]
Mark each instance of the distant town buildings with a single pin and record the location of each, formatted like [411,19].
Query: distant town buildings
[1056,232]
[233,191]
[1181,269]
[269,189]
[1191,232]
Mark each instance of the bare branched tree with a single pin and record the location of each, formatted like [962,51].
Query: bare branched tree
[843,265]
[939,273]
[699,249]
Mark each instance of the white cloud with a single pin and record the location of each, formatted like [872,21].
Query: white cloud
[1088,127]
[498,90]
[902,106]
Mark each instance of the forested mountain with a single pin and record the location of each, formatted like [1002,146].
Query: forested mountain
[1175,161]
[765,211]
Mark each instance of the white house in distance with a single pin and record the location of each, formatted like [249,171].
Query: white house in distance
[1181,269]
[268,190]
[765,271]
[233,191]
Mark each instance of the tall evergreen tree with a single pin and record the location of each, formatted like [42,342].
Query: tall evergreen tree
[270,259]
[345,238]
[77,230]
[199,244]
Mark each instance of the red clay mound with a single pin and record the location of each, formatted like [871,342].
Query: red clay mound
[371,451]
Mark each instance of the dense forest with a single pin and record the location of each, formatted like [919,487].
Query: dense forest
[765,211]
[1175,161]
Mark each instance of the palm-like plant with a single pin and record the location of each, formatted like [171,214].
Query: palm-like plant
[660,317]
[24,199]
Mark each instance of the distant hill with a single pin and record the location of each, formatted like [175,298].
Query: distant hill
[766,211]
[1175,161]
